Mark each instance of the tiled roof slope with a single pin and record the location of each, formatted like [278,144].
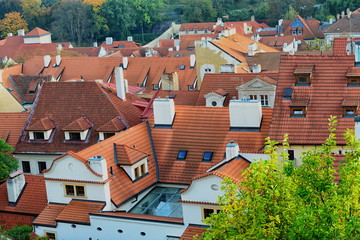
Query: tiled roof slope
[36,32]
[24,87]
[192,231]
[327,91]
[310,29]
[228,82]
[11,126]
[33,199]
[339,47]
[269,61]
[126,155]
[277,41]
[198,26]
[122,187]
[346,24]
[196,130]
[49,214]
[66,102]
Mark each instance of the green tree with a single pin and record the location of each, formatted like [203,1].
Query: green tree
[19,232]
[199,11]
[33,11]
[120,19]
[279,201]
[11,23]
[8,163]
[147,12]
[291,14]
[73,20]
[7,6]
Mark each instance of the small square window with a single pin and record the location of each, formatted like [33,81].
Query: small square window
[26,166]
[208,211]
[74,136]
[155,86]
[108,135]
[207,156]
[182,67]
[182,155]
[70,190]
[80,191]
[50,235]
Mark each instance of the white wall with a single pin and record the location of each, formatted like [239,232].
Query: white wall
[40,39]
[34,159]
[210,97]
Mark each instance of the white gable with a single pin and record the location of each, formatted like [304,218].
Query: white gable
[256,84]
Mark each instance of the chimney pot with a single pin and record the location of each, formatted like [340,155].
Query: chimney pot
[130,39]
[9,34]
[95,44]
[21,32]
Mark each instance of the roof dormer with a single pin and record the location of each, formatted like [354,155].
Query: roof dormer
[41,130]
[350,107]
[133,161]
[298,108]
[77,130]
[353,77]
[216,98]
[111,128]
[303,75]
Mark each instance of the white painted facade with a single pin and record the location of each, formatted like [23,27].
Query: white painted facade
[214,100]
[37,39]
[83,134]
[34,159]
[207,190]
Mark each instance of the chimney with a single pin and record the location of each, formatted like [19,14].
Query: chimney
[9,34]
[338,16]
[252,18]
[58,49]
[120,83]
[245,114]
[348,13]
[126,86]
[98,164]
[192,60]
[95,45]
[280,22]
[21,32]
[130,39]
[256,68]
[177,44]
[342,14]
[125,62]
[109,41]
[47,60]
[58,60]
[252,49]
[15,185]
[232,150]
[164,111]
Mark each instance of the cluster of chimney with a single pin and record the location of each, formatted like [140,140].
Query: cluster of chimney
[348,14]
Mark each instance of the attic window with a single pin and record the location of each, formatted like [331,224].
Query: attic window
[293,32]
[353,77]
[181,155]
[39,135]
[299,32]
[298,108]
[207,156]
[182,67]
[353,82]
[108,134]
[350,107]
[303,75]
[74,136]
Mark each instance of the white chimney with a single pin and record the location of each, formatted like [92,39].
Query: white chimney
[280,22]
[252,49]
[15,185]
[58,60]
[357,127]
[164,111]
[109,41]
[126,86]
[129,39]
[98,164]
[192,60]
[348,13]
[245,113]
[252,18]
[125,62]
[21,32]
[47,60]
[232,150]
[95,45]
[338,16]
[9,34]
[256,68]
[342,14]
[120,83]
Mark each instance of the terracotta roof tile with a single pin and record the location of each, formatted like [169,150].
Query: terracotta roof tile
[34,192]
[79,124]
[353,72]
[114,125]
[192,231]
[126,155]
[339,46]
[310,29]
[326,93]
[346,24]
[49,214]
[277,41]
[350,102]
[65,102]
[198,26]
[77,211]
[13,124]
[43,124]
[304,69]
[37,32]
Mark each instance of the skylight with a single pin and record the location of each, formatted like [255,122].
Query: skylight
[181,155]
[182,67]
[207,156]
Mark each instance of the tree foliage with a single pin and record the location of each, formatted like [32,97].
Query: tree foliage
[11,23]
[279,201]
[33,11]
[19,232]
[291,14]
[8,163]
[199,11]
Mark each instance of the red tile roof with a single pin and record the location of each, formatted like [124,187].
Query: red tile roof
[349,25]
[198,26]
[37,32]
[11,126]
[80,124]
[309,31]
[228,82]
[114,125]
[43,124]
[65,102]
[326,93]
[192,231]
[49,214]
[196,130]
[277,41]
[126,155]
[34,192]
[339,47]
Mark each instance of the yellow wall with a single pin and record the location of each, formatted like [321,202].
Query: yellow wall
[8,103]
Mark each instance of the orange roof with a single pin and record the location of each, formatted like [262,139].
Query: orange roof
[228,82]
[198,26]
[34,192]
[11,126]
[36,32]
[197,130]
[310,29]
[339,46]
[126,155]
[43,124]
[277,41]
[114,125]
[79,124]
[66,102]
[192,231]
[49,214]
[326,94]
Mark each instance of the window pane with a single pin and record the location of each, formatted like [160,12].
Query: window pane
[80,191]
[108,134]
[26,166]
[207,156]
[182,154]
[208,212]
[75,136]
[143,171]
[42,166]
[70,190]
[39,135]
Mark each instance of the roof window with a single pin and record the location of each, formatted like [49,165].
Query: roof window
[303,74]
[207,156]
[182,67]
[298,108]
[353,77]
[181,155]
[350,107]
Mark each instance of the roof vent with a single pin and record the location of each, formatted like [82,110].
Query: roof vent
[9,34]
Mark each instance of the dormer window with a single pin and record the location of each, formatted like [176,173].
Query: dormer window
[298,108]
[181,155]
[350,107]
[77,130]
[353,77]
[299,32]
[41,130]
[303,75]
[111,128]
